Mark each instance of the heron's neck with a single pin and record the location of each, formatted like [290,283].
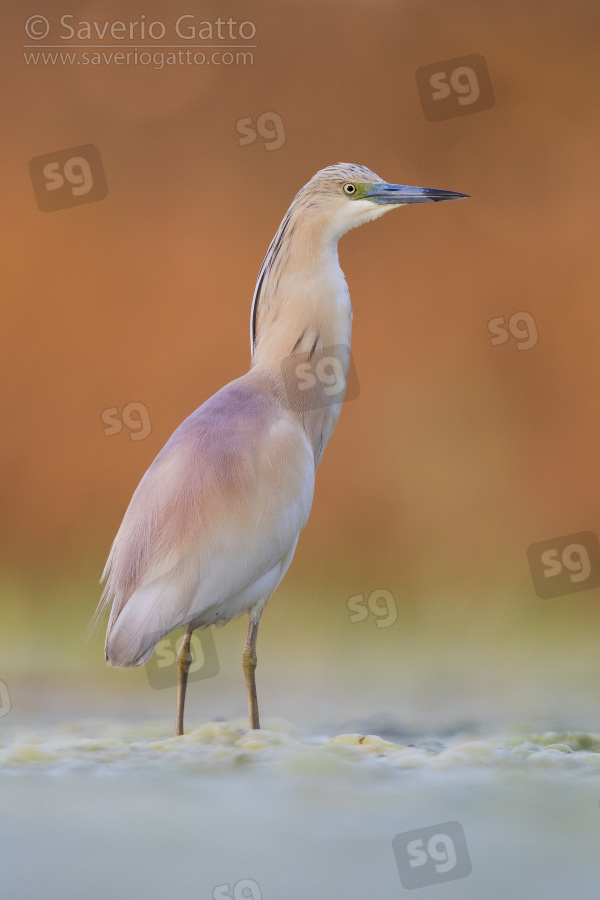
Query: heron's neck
[301,302]
[302,322]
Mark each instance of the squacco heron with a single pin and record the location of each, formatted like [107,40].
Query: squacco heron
[213,525]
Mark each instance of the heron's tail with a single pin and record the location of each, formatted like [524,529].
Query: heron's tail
[145,619]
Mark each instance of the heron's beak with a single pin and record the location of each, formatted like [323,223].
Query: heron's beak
[403,193]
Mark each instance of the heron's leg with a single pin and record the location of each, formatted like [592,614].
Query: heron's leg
[184,661]
[249,664]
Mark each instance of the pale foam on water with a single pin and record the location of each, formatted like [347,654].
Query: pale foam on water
[295,816]
[113,749]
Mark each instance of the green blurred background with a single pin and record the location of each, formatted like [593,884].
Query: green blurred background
[457,454]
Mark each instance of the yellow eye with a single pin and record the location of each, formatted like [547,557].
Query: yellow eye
[349,189]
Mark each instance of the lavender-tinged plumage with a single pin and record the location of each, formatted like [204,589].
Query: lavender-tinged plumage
[213,525]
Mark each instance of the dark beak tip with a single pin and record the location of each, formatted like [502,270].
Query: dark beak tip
[445,195]
[453,195]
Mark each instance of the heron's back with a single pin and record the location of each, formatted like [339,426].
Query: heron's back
[213,524]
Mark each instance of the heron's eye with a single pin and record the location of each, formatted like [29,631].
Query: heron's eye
[349,189]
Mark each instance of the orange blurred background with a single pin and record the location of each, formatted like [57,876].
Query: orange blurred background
[457,454]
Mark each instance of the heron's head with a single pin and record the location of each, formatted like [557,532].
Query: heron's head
[346,195]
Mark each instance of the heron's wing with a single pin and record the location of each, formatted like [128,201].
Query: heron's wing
[221,505]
